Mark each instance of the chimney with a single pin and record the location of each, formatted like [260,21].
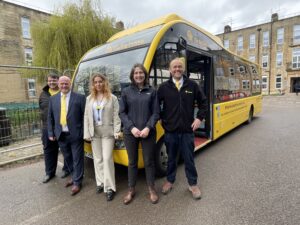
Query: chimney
[227,29]
[274,17]
[120,25]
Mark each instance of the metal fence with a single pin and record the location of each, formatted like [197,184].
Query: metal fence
[18,121]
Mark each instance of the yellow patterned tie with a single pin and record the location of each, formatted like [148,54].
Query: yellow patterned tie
[177,83]
[63,111]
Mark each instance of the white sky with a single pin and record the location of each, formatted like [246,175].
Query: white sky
[211,15]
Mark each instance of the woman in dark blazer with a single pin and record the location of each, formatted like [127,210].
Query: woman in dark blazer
[139,112]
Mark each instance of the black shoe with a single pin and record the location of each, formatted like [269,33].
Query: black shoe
[110,195]
[47,178]
[65,174]
[99,189]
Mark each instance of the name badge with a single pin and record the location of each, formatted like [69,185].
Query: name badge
[99,123]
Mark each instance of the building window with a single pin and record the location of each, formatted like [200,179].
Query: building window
[266,38]
[296,34]
[265,60]
[246,84]
[296,58]
[226,44]
[252,41]
[25,27]
[240,43]
[278,81]
[264,82]
[279,59]
[31,88]
[252,58]
[280,36]
[28,56]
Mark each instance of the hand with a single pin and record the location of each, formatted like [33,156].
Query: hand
[118,135]
[135,132]
[145,132]
[52,138]
[196,124]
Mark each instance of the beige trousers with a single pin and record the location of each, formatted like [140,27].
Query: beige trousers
[102,146]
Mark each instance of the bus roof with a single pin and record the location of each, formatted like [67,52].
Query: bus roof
[163,20]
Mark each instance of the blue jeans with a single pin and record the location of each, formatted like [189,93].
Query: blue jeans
[184,143]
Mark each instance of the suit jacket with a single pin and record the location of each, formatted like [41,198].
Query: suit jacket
[74,117]
[110,116]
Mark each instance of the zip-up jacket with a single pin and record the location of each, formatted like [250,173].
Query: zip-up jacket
[44,105]
[138,108]
[177,107]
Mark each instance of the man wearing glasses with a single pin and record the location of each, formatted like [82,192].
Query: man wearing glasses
[50,147]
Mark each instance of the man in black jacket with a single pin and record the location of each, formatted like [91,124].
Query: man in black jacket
[177,98]
[50,147]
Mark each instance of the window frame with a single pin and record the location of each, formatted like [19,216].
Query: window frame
[28,52]
[252,38]
[278,84]
[296,34]
[226,44]
[265,59]
[280,36]
[264,82]
[296,58]
[279,55]
[31,90]
[240,43]
[266,39]
[25,24]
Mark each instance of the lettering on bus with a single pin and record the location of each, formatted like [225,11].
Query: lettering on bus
[124,46]
[233,108]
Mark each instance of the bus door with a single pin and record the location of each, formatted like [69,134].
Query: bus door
[199,69]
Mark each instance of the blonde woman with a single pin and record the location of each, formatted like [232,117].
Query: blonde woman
[101,127]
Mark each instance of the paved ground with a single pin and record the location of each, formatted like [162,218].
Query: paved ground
[249,176]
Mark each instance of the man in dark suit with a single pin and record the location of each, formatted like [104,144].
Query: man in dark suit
[65,124]
[50,147]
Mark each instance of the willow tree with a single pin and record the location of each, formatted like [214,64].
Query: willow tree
[62,41]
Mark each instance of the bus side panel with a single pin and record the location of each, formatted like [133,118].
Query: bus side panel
[229,115]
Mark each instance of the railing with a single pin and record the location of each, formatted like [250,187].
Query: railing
[19,121]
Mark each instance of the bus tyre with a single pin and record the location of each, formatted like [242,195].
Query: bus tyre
[250,116]
[161,159]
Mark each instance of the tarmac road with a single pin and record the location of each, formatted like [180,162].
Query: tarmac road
[249,176]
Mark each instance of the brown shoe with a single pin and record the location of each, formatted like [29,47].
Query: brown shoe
[129,196]
[75,190]
[167,187]
[69,183]
[195,190]
[153,195]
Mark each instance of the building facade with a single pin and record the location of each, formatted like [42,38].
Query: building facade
[16,49]
[275,46]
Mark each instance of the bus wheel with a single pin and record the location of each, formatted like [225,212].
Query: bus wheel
[161,159]
[250,116]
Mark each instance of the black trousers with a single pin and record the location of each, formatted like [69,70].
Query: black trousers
[72,151]
[148,146]
[51,154]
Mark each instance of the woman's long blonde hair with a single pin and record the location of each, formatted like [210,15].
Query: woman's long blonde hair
[106,86]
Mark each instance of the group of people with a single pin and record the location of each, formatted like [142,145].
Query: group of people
[69,118]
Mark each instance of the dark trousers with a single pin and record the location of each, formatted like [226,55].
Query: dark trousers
[184,143]
[50,153]
[72,151]
[148,146]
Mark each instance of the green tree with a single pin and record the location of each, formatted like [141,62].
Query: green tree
[62,41]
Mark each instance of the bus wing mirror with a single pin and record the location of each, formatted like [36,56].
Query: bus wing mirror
[181,44]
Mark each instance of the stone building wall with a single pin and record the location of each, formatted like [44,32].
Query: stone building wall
[13,86]
[289,76]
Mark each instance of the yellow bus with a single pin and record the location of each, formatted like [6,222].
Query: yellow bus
[231,83]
